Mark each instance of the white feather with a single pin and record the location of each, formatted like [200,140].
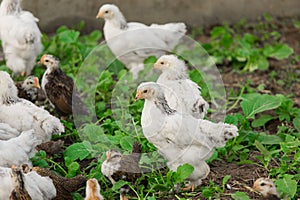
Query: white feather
[17,151]
[38,187]
[24,115]
[181,138]
[133,42]
[181,93]
[7,132]
[21,37]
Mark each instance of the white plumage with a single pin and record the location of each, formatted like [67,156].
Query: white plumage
[180,138]
[39,188]
[18,150]
[133,42]
[181,93]
[7,132]
[24,115]
[21,37]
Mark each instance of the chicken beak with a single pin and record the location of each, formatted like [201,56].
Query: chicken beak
[138,96]
[108,155]
[41,62]
[100,15]
[36,83]
[157,66]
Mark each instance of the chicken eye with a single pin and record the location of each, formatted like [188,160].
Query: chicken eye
[262,184]
[106,11]
[162,63]
[46,60]
[145,91]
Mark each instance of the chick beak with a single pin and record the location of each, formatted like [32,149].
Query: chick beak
[108,156]
[41,62]
[157,66]
[100,15]
[138,95]
[36,83]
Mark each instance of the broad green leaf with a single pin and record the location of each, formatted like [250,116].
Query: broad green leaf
[287,185]
[118,185]
[257,103]
[78,151]
[183,171]
[278,51]
[240,196]
[296,23]
[269,139]
[207,192]
[262,120]
[296,123]
[69,36]
[126,143]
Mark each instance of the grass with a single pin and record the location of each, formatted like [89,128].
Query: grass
[106,90]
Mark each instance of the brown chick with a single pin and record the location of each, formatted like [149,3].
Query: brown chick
[123,167]
[19,192]
[28,89]
[51,147]
[267,188]
[64,186]
[93,190]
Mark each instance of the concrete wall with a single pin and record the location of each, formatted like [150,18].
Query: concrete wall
[54,13]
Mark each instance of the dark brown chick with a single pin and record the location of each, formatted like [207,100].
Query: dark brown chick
[19,192]
[64,186]
[28,89]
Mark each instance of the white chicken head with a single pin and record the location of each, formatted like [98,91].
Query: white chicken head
[148,90]
[7,87]
[265,186]
[108,11]
[31,82]
[170,63]
[49,61]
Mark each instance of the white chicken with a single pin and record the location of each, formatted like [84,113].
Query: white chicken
[180,138]
[38,187]
[18,150]
[181,93]
[133,42]
[21,37]
[7,132]
[24,115]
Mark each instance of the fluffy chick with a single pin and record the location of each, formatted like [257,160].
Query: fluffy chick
[267,188]
[93,190]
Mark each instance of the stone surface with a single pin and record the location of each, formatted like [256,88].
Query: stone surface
[54,13]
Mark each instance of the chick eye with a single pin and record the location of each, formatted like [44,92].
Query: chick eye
[106,11]
[145,91]
[262,184]
[46,60]
[162,63]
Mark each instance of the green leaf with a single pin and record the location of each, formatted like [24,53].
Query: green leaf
[296,123]
[69,36]
[183,172]
[287,185]
[240,196]
[262,149]
[257,103]
[126,143]
[296,23]
[269,139]
[78,151]
[225,180]
[281,51]
[261,121]
[118,185]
